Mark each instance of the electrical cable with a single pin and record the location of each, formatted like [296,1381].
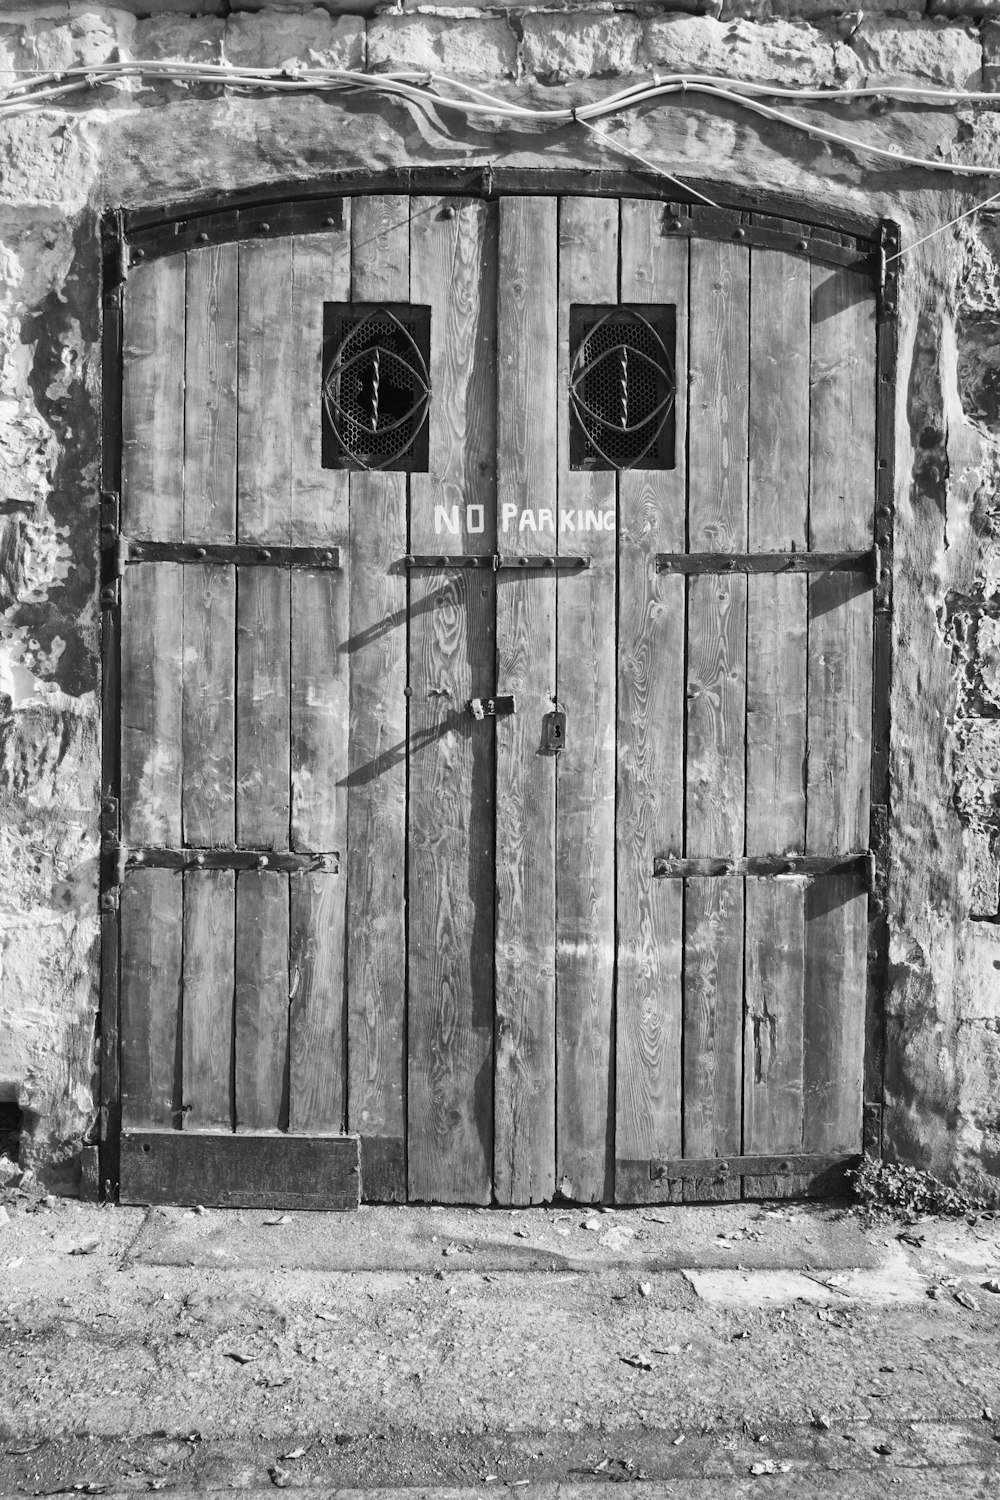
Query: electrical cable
[431,92]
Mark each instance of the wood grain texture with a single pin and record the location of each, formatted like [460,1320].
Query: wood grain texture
[585,767]
[778,519]
[151,937]
[208,791]
[152,703]
[321,272]
[716,716]
[842,394]
[319,712]
[453,271]
[153,400]
[262,707]
[779,402]
[377,770]
[836,917]
[261,1013]
[268,350]
[838,794]
[450,1028]
[451,771]
[718,414]
[524,1097]
[713,1027]
[209,978]
[210,394]
[650,750]
[316,1103]
[776,713]
[841,515]
[773,1027]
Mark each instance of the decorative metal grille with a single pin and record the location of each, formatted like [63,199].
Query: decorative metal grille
[376,386]
[621,387]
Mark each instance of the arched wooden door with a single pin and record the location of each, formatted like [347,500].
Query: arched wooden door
[496,587]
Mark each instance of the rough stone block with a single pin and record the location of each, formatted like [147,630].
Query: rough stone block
[990,34]
[470,49]
[180,38]
[95,35]
[782,52]
[982,874]
[896,50]
[335,7]
[580,46]
[311,40]
[977,769]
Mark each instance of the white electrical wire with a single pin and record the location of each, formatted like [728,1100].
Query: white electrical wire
[432,92]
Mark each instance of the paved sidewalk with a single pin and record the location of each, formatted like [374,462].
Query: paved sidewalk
[723,1351]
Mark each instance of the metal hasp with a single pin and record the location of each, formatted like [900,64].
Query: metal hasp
[553,732]
[491,708]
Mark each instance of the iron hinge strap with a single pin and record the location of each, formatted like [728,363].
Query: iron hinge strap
[494,561]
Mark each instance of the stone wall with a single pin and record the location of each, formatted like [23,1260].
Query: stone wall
[141,142]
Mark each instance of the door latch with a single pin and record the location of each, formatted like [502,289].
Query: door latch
[553,732]
[491,708]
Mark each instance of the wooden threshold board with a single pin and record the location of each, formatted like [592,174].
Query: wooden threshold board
[240,1171]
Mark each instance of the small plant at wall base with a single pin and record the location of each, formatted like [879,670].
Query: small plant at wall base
[886,1190]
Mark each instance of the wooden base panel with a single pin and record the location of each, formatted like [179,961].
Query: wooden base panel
[240,1171]
[383,1169]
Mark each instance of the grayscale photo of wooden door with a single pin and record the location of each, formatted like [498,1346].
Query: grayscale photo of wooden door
[495,603]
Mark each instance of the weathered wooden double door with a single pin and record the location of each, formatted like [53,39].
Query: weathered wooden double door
[496,702]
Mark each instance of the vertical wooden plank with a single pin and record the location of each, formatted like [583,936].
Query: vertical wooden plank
[209,798]
[151,930]
[261,1013]
[776,710]
[716,718]
[524,1084]
[151,695]
[836,950]
[452,658]
[713,1027]
[650,815]
[268,344]
[585,768]
[772,1043]
[841,515]
[778,516]
[319,602]
[153,401]
[209,431]
[319,711]
[717,521]
[321,272]
[262,707]
[320,701]
[316,1017]
[377,770]
[209,955]
[716,715]
[842,394]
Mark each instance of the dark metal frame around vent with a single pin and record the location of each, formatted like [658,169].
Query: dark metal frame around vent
[376,386]
[622,387]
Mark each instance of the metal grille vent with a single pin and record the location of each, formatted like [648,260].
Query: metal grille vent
[376,387]
[621,388]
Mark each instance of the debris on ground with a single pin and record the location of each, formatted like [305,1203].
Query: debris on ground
[884,1190]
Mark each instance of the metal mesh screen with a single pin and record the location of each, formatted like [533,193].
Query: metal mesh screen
[376,388]
[621,388]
